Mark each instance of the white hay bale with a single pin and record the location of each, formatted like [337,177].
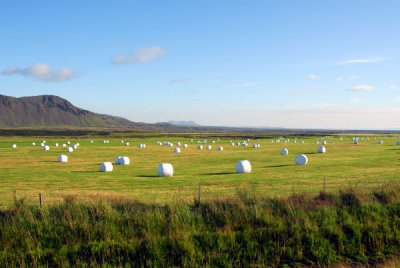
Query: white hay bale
[127,144]
[398,142]
[14,146]
[106,167]
[284,151]
[220,148]
[75,146]
[185,145]
[301,159]
[62,158]
[91,141]
[42,144]
[33,144]
[355,141]
[177,150]
[46,148]
[64,145]
[142,146]
[244,144]
[165,170]
[323,142]
[122,160]
[380,142]
[232,143]
[56,144]
[209,147]
[243,166]
[178,144]
[70,150]
[200,147]
[68,142]
[321,149]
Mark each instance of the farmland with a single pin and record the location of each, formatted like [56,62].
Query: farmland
[29,170]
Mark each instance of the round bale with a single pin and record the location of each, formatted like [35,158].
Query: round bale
[301,159]
[243,166]
[165,170]
[106,167]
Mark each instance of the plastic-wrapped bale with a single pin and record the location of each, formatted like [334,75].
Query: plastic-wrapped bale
[355,141]
[33,144]
[178,144]
[106,167]
[42,144]
[46,148]
[244,144]
[243,166]
[91,141]
[142,146]
[232,143]
[200,147]
[398,142]
[185,145]
[301,159]
[380,142]
[64,145]
[62,158]
[165,170]
[75,146]
[177,150]
[209,147]
[70,150]
[122,160]
[127,144]
[220,148]
[323,142]
[56,144]
[321,149]
[68,142]
[14,146]
[284,151]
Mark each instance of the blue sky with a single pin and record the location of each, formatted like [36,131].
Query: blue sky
[301,64]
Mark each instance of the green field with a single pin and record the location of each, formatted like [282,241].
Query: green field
[29,170]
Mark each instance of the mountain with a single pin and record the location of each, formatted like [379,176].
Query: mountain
[180,123]
[49,110]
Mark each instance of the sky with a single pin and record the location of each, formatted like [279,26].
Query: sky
[283,63]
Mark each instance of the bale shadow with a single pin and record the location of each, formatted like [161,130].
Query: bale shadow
[218,173]
[279,166]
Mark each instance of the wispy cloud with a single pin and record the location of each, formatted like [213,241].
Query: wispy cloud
[362,60]
[346,78]
[356,100]
[140,56]
[313,77]
[359,88]
[42,72]
[392,87]
[178,80]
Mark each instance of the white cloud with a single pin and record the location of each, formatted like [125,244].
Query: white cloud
[140,56]
[362,61]
[392,87]
[314,77]
[178,80]
[42,72]
[358,88]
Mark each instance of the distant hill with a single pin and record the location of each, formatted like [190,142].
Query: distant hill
[49,110]
[180,123]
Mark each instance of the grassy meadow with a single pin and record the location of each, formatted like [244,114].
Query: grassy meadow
[29,170]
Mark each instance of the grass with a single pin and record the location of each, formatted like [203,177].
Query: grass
[246,229]
[29,170]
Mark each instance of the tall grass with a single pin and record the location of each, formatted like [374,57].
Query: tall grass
[249,229]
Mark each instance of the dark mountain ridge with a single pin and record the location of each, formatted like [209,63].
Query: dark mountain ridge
[50,110]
